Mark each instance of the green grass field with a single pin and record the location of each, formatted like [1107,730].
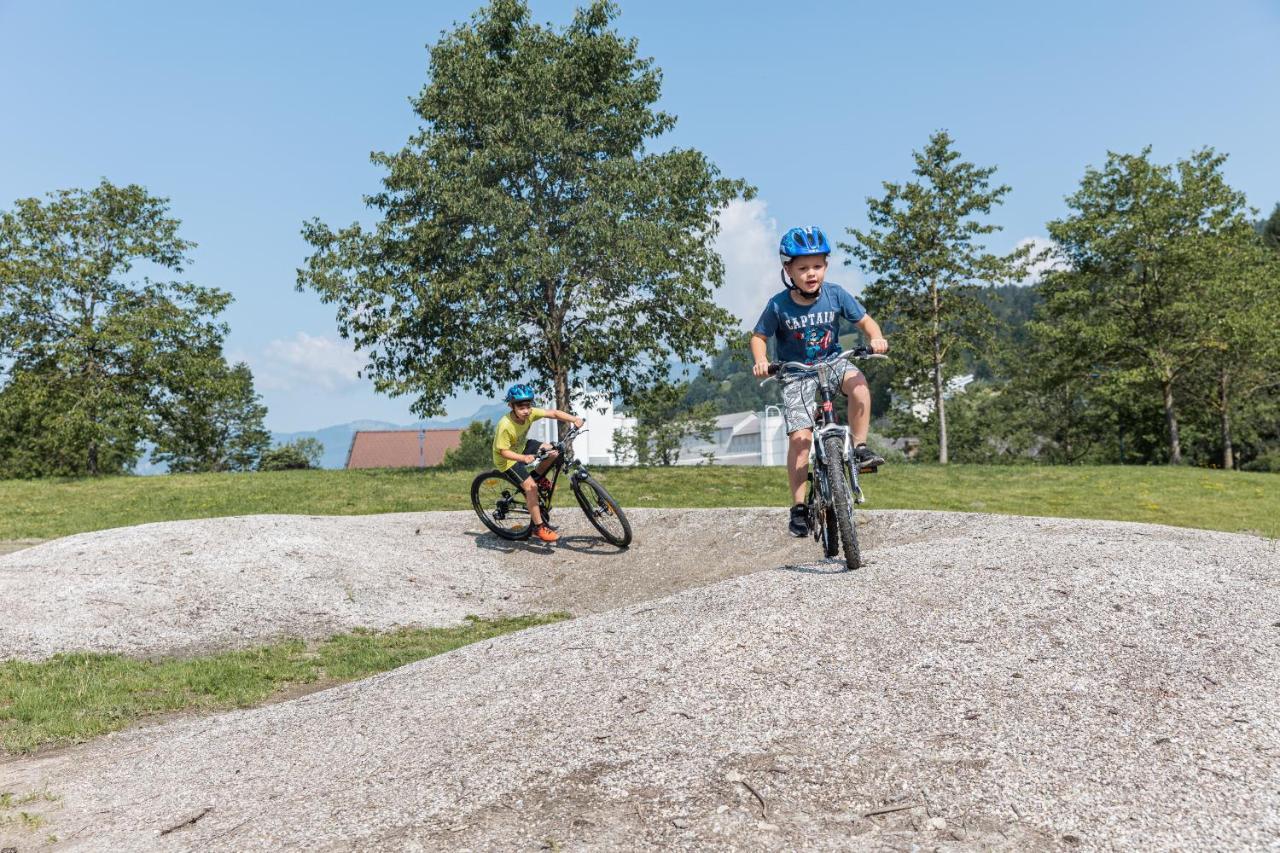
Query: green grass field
[1185,497]
[73,697]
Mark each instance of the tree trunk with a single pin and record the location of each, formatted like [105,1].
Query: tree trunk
[562,397]
[1171,419]
[1224,409]
[559,371]
[938,403]
[93,458]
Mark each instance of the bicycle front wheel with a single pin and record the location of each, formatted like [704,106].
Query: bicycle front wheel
[501,506]
[842,500]
[602,511]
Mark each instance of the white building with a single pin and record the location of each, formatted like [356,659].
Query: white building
[742,438]
[922,407]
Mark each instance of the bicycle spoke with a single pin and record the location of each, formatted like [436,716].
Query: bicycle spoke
[500,505]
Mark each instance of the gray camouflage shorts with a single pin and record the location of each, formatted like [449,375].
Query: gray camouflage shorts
[799,396]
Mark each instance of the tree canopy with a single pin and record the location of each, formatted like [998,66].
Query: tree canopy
[923,250]
[91,349]
[526,229]
[1143,245]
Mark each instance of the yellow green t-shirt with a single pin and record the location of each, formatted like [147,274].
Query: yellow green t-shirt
[511,436]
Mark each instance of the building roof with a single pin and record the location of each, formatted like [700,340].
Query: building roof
[401,448]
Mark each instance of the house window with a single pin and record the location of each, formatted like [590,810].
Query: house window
[747,442]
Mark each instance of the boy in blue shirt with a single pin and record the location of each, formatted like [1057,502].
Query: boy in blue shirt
[804,320]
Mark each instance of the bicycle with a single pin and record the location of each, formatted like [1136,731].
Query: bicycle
[832,488]
[501,504]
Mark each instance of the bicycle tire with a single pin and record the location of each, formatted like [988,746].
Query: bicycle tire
[600,505]
[842,500]
[487,495]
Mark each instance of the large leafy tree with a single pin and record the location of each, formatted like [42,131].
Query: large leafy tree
[86,344]
[1143,246]
[924,250]
[526,228]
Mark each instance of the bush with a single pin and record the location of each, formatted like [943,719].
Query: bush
[293,456]
[1268,460]
[475,452]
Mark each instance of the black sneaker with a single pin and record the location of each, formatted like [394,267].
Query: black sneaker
[799,524]
[865,457]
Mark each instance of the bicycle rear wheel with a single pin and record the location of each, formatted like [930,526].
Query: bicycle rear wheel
[602,511]
[501,506]
[842,500]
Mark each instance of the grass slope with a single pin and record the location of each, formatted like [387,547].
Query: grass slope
[1184,497]
[74,697]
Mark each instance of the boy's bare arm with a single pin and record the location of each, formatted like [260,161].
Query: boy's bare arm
[759,355]
[871,331]
[565,416]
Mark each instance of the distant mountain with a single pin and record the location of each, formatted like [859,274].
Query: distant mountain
[337,439]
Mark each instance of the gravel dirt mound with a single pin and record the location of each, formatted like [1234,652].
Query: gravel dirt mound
[192,586]
[997,683]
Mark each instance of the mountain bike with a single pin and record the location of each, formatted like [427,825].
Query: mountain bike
[501,505]
[833,488]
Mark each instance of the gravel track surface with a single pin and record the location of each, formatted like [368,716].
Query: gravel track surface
[183,587]
[984,683]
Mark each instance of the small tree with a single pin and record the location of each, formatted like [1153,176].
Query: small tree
[1240,355]
[922,249]
[214,422]
[525,229]
[475,450]
[662,425]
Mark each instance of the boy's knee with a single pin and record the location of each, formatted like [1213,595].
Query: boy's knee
[855,382]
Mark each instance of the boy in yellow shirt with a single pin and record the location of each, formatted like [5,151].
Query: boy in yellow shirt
[512,433]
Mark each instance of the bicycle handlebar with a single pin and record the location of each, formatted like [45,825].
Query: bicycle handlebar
[858,352]
[573,433]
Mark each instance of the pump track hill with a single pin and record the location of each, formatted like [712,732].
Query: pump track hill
[984,682]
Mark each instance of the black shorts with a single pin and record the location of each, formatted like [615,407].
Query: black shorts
[520,472]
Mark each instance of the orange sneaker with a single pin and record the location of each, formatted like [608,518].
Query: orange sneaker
[544,534]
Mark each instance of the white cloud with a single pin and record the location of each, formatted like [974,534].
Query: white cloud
[748,244]
[307,362]
[1051,260]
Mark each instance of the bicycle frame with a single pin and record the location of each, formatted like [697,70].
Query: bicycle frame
[566,461]
[825,424]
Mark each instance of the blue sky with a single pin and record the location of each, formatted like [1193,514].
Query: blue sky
[252,117]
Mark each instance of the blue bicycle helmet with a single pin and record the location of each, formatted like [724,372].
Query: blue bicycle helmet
[519,394]
[803,241]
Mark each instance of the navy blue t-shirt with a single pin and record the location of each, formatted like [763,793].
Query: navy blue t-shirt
[808,332]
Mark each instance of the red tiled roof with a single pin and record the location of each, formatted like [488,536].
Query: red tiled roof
[401,448]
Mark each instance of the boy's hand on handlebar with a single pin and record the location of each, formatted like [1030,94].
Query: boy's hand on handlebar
[760,369]
[578,422]
[528,459]
[879,345]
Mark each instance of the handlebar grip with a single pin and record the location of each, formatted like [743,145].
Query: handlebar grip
[774,367]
